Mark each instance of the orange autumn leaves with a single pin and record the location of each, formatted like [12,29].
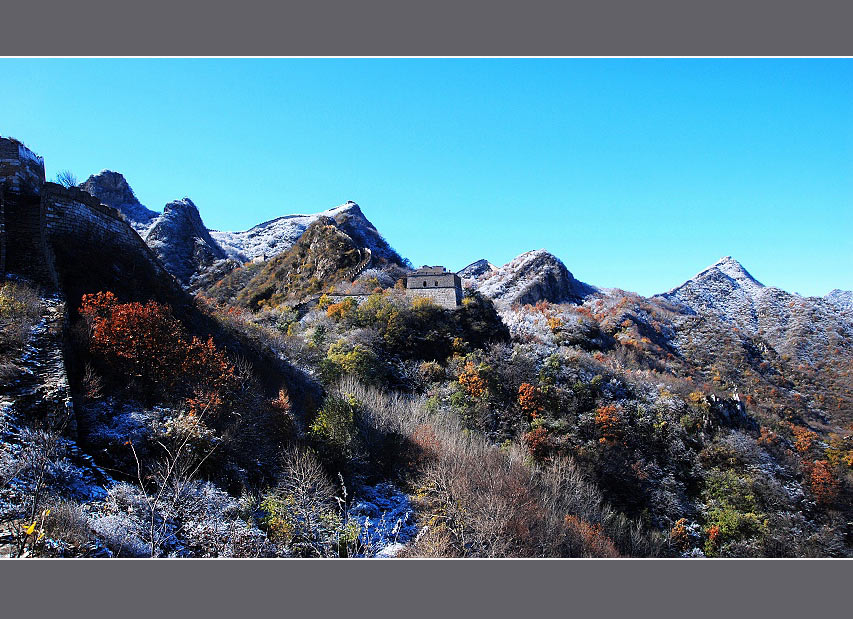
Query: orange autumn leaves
[530,400]
[473,381]
[148,344]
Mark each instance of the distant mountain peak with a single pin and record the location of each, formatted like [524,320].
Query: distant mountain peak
[533,276]
[841,299]
[112,189]
[277,235]
[476,269]
[724,276]
[182,242]
[733,269]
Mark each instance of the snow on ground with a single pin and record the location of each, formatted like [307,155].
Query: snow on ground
[271,237]
[385,517]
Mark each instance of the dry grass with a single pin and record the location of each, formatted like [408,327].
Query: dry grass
[20,308]
[476,499]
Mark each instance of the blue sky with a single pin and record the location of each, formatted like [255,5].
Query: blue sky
[637,173]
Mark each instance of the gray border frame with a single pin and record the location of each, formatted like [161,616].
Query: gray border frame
[519,588]
[434,27]
[425,588]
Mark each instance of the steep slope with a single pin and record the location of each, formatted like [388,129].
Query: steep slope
[808,339]
[533,276]
[112,189]
[278,235]
[323,255]
[181,241]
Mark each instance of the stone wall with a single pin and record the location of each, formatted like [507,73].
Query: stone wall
[21,170]
[445,280]
[446,297]
[48,231]
[76,217]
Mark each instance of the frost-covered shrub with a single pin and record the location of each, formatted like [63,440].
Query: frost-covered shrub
[374,278]
[302,512]
[210,523]
[121,534]
[385,518]
[20,306]
[68,525]
[430,371]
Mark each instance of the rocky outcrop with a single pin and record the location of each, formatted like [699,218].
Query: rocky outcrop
[273,237]
[477,269]
[533,276]
[181,241]
[843,300]
[351,220]
[324,254]
[112,189]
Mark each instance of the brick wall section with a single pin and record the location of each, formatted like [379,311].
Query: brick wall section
[442,287]
[75,216]
[21,170]
[443,280]
[446,297]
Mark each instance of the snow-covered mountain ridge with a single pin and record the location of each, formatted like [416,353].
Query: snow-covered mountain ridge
[530,277]
[273,236]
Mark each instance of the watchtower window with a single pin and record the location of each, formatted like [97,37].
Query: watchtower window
[424,283]
[436,283]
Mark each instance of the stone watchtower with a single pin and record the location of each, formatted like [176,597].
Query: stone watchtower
[436,283]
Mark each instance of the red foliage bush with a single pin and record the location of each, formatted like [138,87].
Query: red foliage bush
[824,485]
[473,382]
[608,420]
[426,445]
[803,438]
[679,536]
[147,343]
[538,443]
[593,539]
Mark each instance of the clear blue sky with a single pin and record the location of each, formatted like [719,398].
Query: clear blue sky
[636,173]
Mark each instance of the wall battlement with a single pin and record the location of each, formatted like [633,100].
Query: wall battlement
[38,217]
[436,283]
[21,170]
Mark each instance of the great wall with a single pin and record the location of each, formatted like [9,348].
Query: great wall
[37,216]
[44,229]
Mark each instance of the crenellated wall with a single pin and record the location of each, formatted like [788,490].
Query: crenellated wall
[77,216]
[42,222]
[21,170]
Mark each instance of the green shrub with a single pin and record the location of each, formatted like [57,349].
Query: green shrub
[335,423]
[356,360]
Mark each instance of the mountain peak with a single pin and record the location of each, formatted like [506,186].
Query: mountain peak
[184,205]
[280,234]
[726,268]
[112,189]
[181,241]
[733,269]
[725,289]
[530,277]
[476,269]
